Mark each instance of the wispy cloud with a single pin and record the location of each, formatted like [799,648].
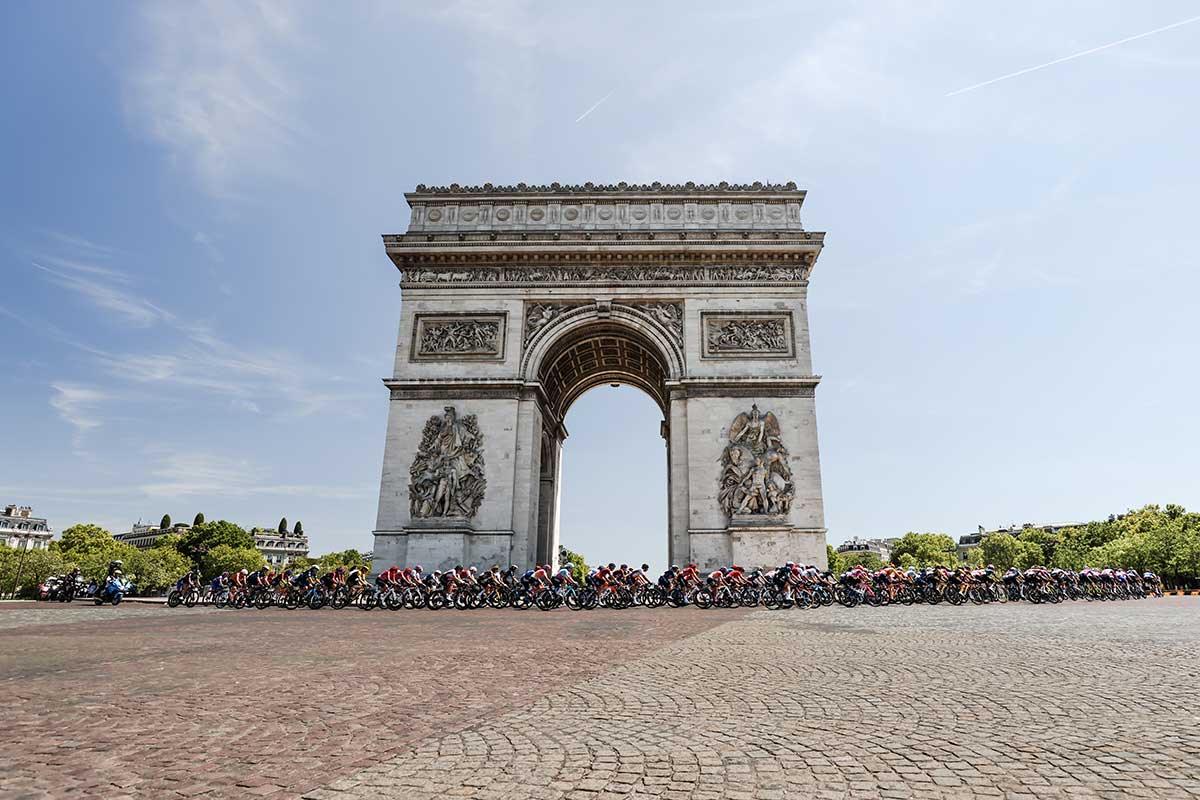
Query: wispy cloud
[76,404]
[96,285]
[191,474]
[212,87]
[1080,54]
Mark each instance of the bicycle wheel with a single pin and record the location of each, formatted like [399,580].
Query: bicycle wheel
[174,599]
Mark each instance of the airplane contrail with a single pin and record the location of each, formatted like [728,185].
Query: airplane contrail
[595,106]
[1073,55]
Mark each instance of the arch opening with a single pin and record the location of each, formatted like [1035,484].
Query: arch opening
[616,505]
[614,479]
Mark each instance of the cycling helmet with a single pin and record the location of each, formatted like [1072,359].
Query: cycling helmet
[472,570]
[417,568]
[225,574]
[675,566]
[245,571]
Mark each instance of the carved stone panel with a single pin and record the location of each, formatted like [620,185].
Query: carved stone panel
[539,315]
[470,336]
[669,315]
[755,476]
[747,334]
[447,478]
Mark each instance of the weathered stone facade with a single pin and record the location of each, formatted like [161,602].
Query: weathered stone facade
[519,299]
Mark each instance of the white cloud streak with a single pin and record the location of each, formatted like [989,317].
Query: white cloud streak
[127,305]
[77,405]
[204,474]
[212,90]
[1080,54]
[594,106]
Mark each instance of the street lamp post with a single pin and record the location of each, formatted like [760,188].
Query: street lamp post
[20,566]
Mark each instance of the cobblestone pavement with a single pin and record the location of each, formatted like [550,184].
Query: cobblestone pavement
[154,702]
[24,614]
[1073,701]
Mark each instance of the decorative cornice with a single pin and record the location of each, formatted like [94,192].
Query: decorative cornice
[689,187]
[746,386]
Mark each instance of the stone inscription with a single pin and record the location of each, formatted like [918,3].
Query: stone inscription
[755,476]
[447,478]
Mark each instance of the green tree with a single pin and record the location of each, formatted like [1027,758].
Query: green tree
[344,558]
[834,560]
[298,529]
[33,566]
[226,558]
[198,519]
[999,550]
[199,539]
[157,568]
[975,558]
[1044,539]
[574,562]
[85,538]
[283,526]
[165,523]
[91,548]
[868,561]
[1029,554]
[929,549]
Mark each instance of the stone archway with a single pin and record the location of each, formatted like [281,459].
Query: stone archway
[583,347]
[518,300]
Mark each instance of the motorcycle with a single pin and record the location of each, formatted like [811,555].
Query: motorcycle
[114,591]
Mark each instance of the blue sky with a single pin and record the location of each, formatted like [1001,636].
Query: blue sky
[197,309]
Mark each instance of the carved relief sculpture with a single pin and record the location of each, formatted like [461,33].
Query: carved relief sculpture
[746,335]
[539,315]
[459,337]
[755,476]
[447,474]
[669,315]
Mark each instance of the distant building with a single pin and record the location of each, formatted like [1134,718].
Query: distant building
[970,541]
[143,537]
[19,528]
[280,548]
[277,548]
[879,547]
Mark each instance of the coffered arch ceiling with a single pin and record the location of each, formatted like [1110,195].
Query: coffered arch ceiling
[602,353]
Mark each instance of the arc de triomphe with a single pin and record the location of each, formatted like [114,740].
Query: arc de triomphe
[517,300]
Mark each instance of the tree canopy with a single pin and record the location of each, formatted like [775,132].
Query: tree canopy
[198,519]
[283,526]
[925,550]
[228,558]
[195,542]
[165,523]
